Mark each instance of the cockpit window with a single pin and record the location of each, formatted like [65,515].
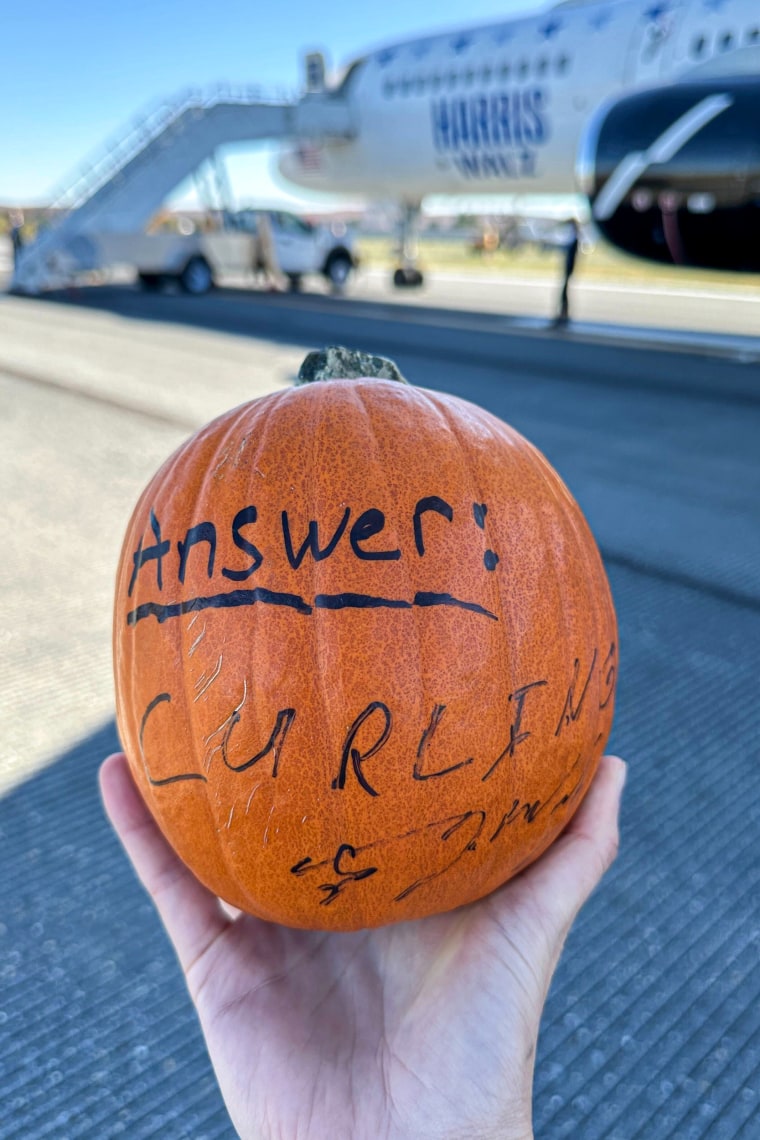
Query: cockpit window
[349,77]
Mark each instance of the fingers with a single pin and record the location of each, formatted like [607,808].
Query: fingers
[191,914]
[564,877]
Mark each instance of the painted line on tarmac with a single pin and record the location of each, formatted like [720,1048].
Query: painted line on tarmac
[593,286]
[740,348]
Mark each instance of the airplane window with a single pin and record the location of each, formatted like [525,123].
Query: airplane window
[563,65]
[504,71]
[541,66]
[406,86]
[485,75]
[389,89]
[726,41]
[752,35]
[698,46]
[435,82]
[523,69]
[419,86]
[451,80]
[469,77]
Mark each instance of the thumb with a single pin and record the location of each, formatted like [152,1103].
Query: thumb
[191,914]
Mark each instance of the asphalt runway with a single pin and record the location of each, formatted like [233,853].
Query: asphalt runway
[652,1028]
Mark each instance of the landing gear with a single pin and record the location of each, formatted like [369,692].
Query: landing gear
[408,276]
[338,269]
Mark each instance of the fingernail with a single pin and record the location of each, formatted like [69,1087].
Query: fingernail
[621,775]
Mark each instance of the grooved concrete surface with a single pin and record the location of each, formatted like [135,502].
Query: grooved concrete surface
[652,1029]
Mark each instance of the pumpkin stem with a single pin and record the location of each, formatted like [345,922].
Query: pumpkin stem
[338,363]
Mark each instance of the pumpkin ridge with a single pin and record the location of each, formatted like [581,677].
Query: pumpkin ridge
[504,624]
[369,408]
[581,535]
[595,578]
[506,639]
[553,576]
[215,470]
[228,889]
[320,395]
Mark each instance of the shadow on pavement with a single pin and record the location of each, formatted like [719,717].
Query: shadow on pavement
[652,1028]
[97,1035]
[438,334]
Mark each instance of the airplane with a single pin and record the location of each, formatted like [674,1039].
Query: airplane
[650,107]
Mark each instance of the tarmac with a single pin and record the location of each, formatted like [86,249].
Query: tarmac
[652,1027]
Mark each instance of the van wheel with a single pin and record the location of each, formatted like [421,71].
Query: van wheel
[196,278]
[294,282]
[338,269]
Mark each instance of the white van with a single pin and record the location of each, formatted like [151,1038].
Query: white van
[197,261]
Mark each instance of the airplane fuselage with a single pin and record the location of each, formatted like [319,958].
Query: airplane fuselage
[502,108]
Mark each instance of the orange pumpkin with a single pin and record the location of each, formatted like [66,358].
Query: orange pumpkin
[365,651]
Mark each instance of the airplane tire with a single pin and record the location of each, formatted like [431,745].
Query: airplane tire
[196,278]
[338,269]
[408,279]
[294,282]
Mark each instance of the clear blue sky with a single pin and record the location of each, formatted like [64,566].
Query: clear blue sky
[75,73]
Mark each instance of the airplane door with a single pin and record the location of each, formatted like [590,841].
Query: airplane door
[652,46]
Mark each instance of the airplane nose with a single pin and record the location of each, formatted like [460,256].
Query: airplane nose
[287,166]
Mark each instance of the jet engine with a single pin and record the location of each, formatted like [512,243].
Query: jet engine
[673,173]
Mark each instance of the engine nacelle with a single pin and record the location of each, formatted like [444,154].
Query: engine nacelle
[673,173]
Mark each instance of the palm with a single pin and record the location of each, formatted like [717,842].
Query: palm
[424,1029]
[376,1034]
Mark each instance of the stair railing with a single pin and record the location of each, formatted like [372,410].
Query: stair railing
[125,146]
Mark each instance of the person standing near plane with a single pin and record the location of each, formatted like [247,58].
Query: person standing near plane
[266,255]
[571,256]
[16,221]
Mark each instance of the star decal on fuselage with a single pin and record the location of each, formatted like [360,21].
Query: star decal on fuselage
[386,56]
[600,19]
[550,28]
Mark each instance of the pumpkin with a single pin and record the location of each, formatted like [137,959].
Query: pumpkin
[365,651]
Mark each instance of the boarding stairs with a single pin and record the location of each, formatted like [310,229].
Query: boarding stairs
[123,187]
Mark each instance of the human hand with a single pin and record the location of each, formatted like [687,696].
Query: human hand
[419,1031]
